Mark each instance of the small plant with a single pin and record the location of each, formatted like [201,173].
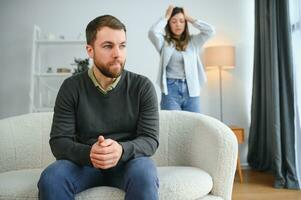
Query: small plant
[82,65]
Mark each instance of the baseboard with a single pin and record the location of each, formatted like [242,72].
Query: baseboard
[245,166]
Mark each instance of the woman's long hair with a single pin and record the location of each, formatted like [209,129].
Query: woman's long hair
[182,42]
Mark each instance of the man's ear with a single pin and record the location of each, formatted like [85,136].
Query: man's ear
[90,50]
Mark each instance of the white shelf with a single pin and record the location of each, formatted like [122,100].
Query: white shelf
[56,42]
[53,74]
[50,53]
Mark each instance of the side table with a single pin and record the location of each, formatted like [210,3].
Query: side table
[240,135]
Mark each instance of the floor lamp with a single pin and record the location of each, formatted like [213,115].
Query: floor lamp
[222,57]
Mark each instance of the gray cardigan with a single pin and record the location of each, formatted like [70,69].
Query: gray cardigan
[194,70]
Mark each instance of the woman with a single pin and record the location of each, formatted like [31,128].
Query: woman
[181,72]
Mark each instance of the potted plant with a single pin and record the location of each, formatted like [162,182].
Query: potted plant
[82,65]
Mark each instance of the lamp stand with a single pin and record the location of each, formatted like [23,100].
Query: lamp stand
[220,93]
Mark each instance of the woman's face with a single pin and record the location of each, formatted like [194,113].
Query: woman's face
[177,24]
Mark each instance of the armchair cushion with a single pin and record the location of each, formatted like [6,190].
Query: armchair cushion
[175,183]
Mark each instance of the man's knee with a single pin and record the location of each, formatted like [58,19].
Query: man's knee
[142,171]
[141,179]
[55,174]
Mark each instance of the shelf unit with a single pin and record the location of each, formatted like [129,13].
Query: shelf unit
[50,54]
[52,74]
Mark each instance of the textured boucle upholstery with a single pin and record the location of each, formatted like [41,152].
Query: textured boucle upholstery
[196,158]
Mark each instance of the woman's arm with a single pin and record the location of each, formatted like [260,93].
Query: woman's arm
[206,30]
[157,32]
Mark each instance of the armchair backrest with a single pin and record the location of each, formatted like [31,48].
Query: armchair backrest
[177,131]
[24,139]
[24,142]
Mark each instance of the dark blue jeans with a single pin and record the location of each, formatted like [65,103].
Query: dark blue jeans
[63,179]
[178,97]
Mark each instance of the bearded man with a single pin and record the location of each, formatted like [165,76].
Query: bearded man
[105,124]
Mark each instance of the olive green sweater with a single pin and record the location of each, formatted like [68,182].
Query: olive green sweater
[127,114]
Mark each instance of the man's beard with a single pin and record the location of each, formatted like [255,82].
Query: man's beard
[105,69]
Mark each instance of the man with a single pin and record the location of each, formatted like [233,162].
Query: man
[105,124]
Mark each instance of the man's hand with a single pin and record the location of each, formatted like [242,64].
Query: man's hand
[105,153]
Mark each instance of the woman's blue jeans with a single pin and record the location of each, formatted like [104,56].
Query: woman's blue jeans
[63,179]
[178,97]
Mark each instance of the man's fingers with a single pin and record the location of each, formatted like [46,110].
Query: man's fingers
[103,164]
[106,154]
[100,139]
[103,157]
[107,142]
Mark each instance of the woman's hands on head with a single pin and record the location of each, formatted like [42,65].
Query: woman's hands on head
[169,11]
[187,17]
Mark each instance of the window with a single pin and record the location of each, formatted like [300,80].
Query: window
[295,17]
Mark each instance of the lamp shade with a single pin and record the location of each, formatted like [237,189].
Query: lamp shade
[219,56]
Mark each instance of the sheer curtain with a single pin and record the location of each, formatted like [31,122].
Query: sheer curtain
[295,16]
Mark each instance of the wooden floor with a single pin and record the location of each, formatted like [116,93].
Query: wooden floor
[259,186]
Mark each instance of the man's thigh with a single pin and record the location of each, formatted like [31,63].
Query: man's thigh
[80,177]
[136,169]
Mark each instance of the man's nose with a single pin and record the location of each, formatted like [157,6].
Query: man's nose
[116,52]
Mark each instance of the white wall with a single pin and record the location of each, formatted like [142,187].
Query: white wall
[233,20]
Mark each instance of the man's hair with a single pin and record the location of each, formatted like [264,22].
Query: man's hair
[100,22]
[182,42]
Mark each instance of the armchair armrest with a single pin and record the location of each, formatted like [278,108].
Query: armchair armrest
[214,149]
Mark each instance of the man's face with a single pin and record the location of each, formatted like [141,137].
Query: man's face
[109,51]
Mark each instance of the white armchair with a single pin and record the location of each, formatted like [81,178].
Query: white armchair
[196,158]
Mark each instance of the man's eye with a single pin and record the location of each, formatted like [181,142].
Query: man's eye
[122,46]
[107,46]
